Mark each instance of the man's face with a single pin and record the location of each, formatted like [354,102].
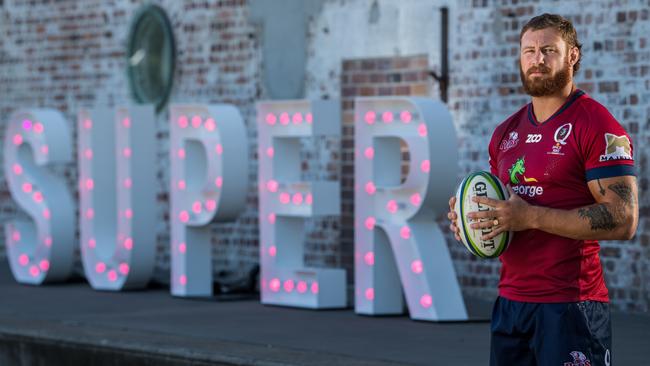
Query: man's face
[544,66]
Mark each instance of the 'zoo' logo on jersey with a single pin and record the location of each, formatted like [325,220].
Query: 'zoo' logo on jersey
[618,148]
[533,138]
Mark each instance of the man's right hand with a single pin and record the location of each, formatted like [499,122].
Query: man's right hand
[453,218]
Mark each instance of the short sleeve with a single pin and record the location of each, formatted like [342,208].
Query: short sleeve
[606,147]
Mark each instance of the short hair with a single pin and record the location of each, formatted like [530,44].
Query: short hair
[559,23]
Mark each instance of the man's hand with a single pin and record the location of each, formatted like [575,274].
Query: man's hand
[453,218]
[513,214]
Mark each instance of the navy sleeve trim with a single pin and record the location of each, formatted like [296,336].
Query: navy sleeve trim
[610,171]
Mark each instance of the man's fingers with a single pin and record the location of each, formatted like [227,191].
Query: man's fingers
[486,201]
[482,215]
[497,230]
[451,215]
[483,224]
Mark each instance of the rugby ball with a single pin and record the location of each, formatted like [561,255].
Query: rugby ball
[482,184]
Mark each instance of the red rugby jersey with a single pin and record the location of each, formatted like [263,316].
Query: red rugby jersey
[549,164]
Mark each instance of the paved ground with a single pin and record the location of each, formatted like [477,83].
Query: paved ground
[247,333]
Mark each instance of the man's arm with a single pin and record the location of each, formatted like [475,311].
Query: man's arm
[614,216]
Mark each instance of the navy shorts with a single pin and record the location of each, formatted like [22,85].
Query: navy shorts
[556,334]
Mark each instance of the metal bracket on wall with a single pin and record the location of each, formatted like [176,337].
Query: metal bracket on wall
[443,77]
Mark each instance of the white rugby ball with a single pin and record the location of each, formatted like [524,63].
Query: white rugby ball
[482,184]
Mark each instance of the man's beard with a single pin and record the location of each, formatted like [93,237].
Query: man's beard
[546,84]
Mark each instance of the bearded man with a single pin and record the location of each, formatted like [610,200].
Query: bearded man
[553,305]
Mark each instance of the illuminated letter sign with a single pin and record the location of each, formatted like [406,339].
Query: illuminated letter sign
[41,250]
[397,241]
[285,202]
[209,180]
[117,176]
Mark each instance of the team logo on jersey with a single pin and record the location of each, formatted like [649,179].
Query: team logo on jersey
[534,138]
[618,148]
[516,174]
[561,135]
[579,359]
[512,141]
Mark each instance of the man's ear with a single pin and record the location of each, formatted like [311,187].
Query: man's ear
[574,55]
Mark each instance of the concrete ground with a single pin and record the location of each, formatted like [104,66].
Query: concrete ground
[71,324]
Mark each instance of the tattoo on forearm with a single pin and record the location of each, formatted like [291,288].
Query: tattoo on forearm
[624,191]
[602,190]
[599,217]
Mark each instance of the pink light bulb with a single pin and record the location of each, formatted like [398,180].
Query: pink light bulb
[197,207]
[181,153]
[271,119]
[273,251]
[426,301]
[406,116]
[37,197]
[124,269]
[182,248]
[369,258]
[128,243]
[416,266]
[44,265]
[288,285]
[370,223]
[272,186]
[90,213]
[270,152]
[126,122]
[297,118]
[369,153]
[297,199]
[34,271]
[285,198]
[219,149]
[27,124]
[18,170]
[315,288]
[15,236]
[18,139]
[182,122]
[46,214]
[274,285]
[210,125]
[92,243]
[181,185]
[45,150]
[387,117]
[48,241]
[23,260]
[416,199]
[309,199]
[425,166]
[112,275]
[301,287]
[218,182]
[100,267]
[284,118]
[128,183]
[88,153]
[38,127]
[211,205]
[370,294]
[90,184]
[370,117]
[392,206]
[271,218]
[370,188]
[88,124]
[309,118]
[27,187]
[196,121]
[422,130]
[126,152]
[182,280]
[128,213]
[405,232]
[184,216]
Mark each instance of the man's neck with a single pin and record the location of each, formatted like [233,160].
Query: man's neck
[544,107]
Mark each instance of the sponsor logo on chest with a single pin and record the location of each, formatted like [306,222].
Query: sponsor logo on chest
[562,133]
[534,138]
[517,179]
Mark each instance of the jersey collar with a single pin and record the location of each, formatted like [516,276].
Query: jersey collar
[572,98]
